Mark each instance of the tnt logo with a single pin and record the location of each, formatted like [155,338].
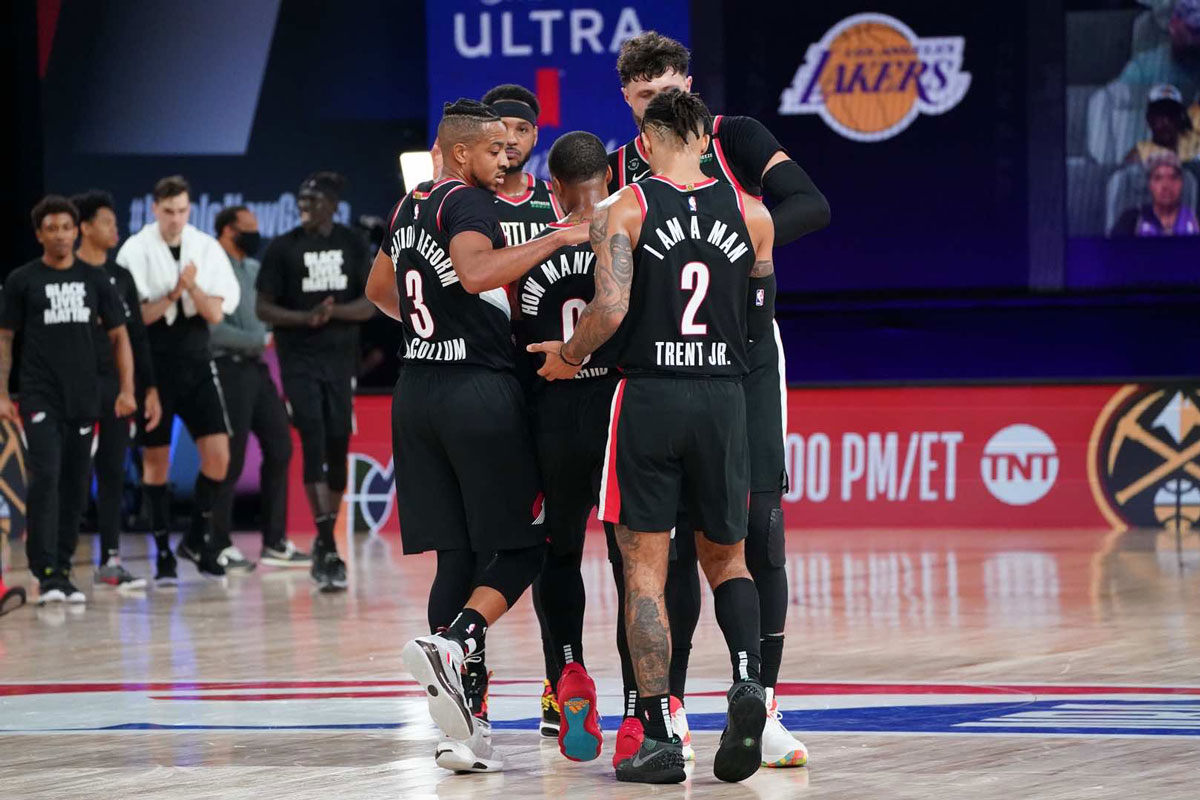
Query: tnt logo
[1019,465]
[371,494]
[871,75]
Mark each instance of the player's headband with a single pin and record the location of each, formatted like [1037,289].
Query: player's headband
[514,108]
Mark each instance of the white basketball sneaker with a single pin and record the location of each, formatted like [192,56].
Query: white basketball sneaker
[780,748]
[436,662]
[472,755]
[679,724]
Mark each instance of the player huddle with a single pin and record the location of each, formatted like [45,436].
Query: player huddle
[645,380]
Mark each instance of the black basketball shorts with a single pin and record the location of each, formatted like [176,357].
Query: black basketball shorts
[672,440]
[466,476]
[188,388]
[766,413]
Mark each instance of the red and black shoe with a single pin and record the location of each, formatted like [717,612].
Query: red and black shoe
[579,734]
[11,598]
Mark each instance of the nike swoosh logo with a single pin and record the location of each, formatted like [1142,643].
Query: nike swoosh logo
[637,178]
[638,761]
[84,431]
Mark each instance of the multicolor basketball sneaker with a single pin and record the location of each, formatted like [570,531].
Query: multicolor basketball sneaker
[579,734]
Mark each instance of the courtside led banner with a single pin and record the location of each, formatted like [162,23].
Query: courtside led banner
[565,51]
[1036,457]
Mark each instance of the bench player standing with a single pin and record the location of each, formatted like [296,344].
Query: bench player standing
[466,477]
[683,262]
[310,290]
[55,302]
[744,153]
[570,428]
[185,283]
[525,206]
[97,238]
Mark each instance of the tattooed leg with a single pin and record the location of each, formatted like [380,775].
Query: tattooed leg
[645,556]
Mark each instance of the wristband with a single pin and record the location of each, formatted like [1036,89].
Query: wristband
[564,358]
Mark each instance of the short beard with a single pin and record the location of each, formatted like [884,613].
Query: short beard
[513,170]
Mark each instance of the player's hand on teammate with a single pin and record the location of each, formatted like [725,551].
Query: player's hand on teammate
[8,410]
[321,313]
[555,369]
[578,234]
[153,410]
[125,405]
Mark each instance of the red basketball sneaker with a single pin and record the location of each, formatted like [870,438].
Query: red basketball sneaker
[579,735]
[629,739]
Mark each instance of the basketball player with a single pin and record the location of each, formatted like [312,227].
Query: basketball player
[55,302]
[525,206]
[466,477]
[570,426]
[185,282]
[97,238]
[310,290]
[744,153]
[680,257]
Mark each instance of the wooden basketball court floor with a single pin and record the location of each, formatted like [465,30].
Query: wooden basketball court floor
[938,664]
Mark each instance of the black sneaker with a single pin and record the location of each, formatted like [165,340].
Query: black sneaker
[475,685]
[71,592]
[656,761]
[740,753]
[165,573]
[204,557]
[284,554]
[328,569]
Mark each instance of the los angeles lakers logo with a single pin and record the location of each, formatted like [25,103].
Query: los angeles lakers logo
[1144,458]
[871,75]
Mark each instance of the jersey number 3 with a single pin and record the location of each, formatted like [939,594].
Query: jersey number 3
[694,279]
[421,319]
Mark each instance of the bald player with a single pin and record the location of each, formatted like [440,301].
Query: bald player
[467,485]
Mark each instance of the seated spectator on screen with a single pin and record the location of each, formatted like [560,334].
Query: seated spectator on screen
[1165,214]
[1176,61]
[1171,128]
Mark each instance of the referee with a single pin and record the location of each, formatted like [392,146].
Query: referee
[311,292]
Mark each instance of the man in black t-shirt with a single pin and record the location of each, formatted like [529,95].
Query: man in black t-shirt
[744,153]
[466,477]
[310,290]
[185,282]
[55,302]
[97,238]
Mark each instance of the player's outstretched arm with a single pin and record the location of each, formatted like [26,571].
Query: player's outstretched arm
[381,286]
[614,231]
[481,267]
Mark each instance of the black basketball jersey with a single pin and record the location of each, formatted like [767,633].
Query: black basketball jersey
[629,164]
[525,216]
[691,276]
[443,322]
[551,297]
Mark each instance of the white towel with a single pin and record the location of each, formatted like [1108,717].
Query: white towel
[155,271]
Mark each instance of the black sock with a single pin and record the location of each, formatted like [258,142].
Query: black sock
[628,678]
[325,523]
[562,582]
[203,497]
[468,629]
[736,604]
[160,510]
[631,703]
[682,600]
[656,716]
[772,656]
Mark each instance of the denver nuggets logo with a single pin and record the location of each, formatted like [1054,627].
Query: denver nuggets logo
[1144,459]
[871,75]
[372,495]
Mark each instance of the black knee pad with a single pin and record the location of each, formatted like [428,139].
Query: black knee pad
[765,546]
[336,449]
[512,571]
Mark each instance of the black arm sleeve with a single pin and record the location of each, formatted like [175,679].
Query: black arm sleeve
[797,205]
[143,366]
[760,308]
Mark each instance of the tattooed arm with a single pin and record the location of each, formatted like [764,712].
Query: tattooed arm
[7,409]
[615,227]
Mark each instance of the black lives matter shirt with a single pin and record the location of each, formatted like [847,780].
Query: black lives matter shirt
[551,298]
[299,270]
[738,153]
[691,276]
[56,312]
[444,324]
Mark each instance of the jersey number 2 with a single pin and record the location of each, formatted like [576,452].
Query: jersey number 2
[694,279]
[421,319]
